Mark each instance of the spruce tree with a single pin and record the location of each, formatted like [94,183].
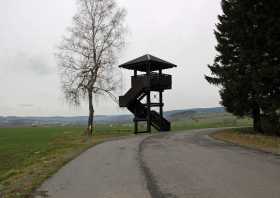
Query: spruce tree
[247,65]
[268,46]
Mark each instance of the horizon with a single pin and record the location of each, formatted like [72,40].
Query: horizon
[100,115]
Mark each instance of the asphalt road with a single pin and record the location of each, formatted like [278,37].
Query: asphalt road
[171,165]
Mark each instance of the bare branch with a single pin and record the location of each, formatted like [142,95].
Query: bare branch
[87,54]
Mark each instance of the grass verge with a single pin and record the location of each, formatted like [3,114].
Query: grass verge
[246,137]
[28,156]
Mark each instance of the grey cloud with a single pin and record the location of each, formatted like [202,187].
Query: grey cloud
[26,105]
[39,65]
[36,64]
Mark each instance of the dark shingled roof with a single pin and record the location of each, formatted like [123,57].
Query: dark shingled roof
[142,63]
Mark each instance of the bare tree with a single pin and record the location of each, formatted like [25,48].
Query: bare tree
[87,54]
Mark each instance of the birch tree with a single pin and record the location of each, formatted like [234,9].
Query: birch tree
[88,52]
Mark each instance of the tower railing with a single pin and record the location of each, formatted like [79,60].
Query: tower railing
[155,81]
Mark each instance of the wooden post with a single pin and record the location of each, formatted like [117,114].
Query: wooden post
[149,121]
[160,109]
[160,102]
[135,112]
[135,127]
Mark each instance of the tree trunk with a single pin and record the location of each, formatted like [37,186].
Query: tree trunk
[91,114]
[257,118]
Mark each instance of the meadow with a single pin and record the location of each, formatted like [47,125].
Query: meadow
[30,155]
[210,120]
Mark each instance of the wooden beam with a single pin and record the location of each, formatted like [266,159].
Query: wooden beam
[161,102]
[160,109]
[149,121]
[135,127]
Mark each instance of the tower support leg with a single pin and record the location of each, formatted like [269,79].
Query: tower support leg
[149,121]
[160,110]
[135,127]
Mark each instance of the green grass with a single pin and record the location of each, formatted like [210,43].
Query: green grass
[30,155]
[214,120]
[19,145]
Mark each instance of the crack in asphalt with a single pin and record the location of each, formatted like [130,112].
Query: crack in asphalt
[151,181]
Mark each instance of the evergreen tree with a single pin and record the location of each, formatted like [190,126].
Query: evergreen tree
[268,46]
[247,64]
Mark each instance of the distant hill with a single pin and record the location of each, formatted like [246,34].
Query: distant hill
[13,121]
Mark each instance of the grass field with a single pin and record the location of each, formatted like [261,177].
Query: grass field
[210,120]
[30,155]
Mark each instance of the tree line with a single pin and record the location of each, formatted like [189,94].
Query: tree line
[247,65]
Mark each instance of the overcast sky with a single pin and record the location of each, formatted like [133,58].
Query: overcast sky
[180,31]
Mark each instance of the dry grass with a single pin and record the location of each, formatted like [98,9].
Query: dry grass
[245,137]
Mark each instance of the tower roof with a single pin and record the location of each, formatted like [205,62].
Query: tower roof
[142,63]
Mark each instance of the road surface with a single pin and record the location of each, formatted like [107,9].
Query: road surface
[171,165]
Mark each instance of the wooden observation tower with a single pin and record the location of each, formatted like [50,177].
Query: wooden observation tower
[142,85]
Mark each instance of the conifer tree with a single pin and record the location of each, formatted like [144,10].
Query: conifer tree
[247,65]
